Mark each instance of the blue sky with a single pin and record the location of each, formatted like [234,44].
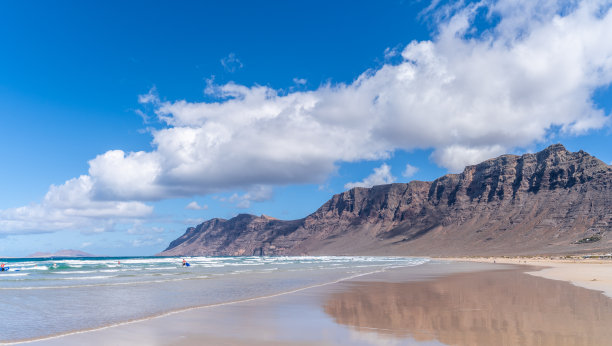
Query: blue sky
[116,117]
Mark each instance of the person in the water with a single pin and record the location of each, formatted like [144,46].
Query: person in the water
[184,262]
[2,267]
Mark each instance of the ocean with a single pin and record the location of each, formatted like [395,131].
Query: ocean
[52,296]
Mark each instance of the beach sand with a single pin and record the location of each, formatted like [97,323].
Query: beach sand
[439,303]
[595,274]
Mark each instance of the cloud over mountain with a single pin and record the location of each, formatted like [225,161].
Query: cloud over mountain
[380,176]
[469,93]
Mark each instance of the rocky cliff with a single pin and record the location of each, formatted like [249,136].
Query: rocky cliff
[551,202]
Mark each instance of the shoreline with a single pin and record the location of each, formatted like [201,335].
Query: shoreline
[412,305]
[187,309]
[105,293]
[589,273]
[308,298]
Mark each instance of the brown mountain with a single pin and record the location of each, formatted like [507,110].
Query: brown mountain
[551,202]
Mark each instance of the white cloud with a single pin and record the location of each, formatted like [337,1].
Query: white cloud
[126,176]
[258,193]
[456,157]
[72,206]
[144,116]
[468,98]
[195,206]
[469,95]
[231,63]
[150,97]
[381,175]
[409,171]
[390,53]
[299,81]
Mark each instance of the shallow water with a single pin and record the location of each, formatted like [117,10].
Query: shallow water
[43,297]
[494,307]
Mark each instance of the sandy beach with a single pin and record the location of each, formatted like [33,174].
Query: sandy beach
[439,303]
[595,274]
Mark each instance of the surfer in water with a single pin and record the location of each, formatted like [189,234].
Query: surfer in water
[184,262]
[2,267]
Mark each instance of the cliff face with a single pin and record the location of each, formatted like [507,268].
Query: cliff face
[554,201]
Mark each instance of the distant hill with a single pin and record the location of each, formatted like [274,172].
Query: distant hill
[62,253]
[550,202]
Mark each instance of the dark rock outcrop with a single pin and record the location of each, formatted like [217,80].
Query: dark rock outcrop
[543,203]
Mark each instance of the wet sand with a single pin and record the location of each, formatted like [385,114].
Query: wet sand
[439,303]
[595,274]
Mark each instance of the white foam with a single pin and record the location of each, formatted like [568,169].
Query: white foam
[36,268]
[13,274]
[90,277]
[169,269]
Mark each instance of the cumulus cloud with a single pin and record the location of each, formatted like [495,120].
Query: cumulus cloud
[409,171]
[72,206]
[231,63]
[380,176]
[195,206]
[456,157]
[468,94]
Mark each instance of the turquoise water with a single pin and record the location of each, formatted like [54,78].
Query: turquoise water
[43,297]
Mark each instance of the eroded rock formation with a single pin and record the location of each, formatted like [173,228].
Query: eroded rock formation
[554,201]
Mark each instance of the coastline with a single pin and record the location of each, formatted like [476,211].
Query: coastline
[79,295]
[61,336]
[444,301]
[111,332]
[590,273]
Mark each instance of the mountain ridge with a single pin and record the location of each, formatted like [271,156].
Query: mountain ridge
[553,201]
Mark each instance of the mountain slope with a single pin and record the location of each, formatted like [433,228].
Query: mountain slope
[554,201]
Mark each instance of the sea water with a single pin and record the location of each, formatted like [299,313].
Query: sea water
[51,296]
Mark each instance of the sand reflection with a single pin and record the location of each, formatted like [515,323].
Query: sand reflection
[506,307]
